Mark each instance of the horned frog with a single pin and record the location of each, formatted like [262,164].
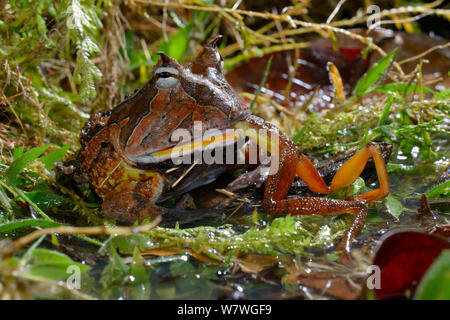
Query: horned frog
[127,151]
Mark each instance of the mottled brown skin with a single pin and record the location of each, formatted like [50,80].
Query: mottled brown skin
[128,193]
[118,148]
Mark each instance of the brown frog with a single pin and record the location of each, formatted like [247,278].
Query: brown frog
[128,152]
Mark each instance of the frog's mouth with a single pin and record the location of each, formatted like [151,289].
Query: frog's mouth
[183,151]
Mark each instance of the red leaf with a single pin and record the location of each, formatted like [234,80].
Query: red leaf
[403,257]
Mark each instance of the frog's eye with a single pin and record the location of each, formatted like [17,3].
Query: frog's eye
[165,74]
[166,77]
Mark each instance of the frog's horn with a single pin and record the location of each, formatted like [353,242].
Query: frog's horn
[168,60]
[209,56]
[214,41]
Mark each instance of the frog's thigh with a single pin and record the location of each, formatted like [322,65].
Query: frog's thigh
[129,202]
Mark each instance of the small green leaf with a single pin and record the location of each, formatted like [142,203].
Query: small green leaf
[376,73]
[385,114]
[21,162]
[435,284]
[140,286]
[54,156]
[324,233]
[17,224]
[393,206]
[18,152]
[355,188]
[114,275]
[25,198]
[441,191]
[45,254]
[53,265]
[332,257]
[45,200]
[126,244]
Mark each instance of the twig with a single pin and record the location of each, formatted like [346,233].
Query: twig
[110,173]
[440,46]
[19,243]
[335,11]
[11,97]
[409,19]
[234,211]
[309,26]
[185,173]
[262,83]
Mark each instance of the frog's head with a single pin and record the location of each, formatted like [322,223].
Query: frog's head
[174,98]
[203,80]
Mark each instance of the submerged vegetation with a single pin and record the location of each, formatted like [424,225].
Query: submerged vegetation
[61,61]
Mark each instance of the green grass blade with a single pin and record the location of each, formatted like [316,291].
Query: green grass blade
[18,152]
[435,284]
[441,191]
[11,226]
[21,162]
[54,156]
[385,113]
[376,73]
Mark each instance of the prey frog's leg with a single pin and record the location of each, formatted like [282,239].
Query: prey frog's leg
[277,186]
[353,167]
[255,177]
[348,173]
[292,163]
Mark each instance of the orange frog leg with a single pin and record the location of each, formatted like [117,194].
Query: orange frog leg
[292,164]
